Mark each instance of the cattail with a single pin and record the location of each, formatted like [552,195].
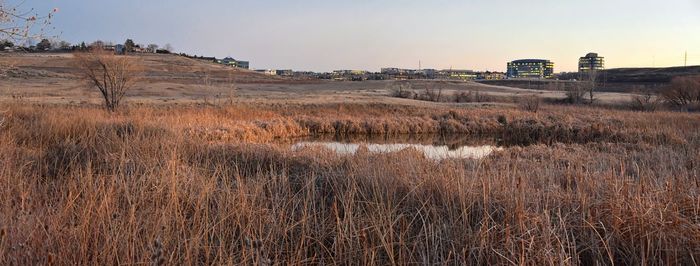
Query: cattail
[51,259]
[157,258]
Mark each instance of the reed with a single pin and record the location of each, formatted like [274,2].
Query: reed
[79,185]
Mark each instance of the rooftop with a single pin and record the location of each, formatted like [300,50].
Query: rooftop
[531,61]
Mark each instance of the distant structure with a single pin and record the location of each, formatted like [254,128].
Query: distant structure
[228,61]
[591,62]
[445,74]
[457,74]
[119,49]
[530,69]
[269,72]
[284,72]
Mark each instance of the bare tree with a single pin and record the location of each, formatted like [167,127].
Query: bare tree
[530,103]
[682,91]
[112,75]
[22,25]
[591,84]
[152,48]
[575,93]
[97,45]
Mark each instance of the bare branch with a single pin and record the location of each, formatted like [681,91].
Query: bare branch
[22,26]
[112,75]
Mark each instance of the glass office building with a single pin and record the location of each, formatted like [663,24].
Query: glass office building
[591,62]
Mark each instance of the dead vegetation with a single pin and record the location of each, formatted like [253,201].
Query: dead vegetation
[683,92]
[112,75]
[79,185]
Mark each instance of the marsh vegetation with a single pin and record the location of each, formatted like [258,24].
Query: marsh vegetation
[218,185]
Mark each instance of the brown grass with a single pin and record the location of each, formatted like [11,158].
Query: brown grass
[205,185]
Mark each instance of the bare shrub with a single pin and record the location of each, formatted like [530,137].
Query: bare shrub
[474,96]
[431,93]
[682,92]
[645,102]
[576,93]
[463,97]
[530,103]
[402,90]
[112,75]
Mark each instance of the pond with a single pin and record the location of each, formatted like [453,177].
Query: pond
[433,147]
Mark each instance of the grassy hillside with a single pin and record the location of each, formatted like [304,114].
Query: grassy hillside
[159,68]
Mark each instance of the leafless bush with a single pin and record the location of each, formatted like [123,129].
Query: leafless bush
[682,92]
[472,97]
[112,75]
[463,97]
[576,94]
[431,93]
[402,90]
[530,103]
[646,102]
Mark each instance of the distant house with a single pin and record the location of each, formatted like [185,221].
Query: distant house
[119,49]
[229,61]
[271,72]
[285,72]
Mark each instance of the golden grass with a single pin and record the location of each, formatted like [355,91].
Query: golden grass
[213,185]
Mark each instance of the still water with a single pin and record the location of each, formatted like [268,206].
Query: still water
[436,149]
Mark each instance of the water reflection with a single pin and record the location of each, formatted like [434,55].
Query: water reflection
[435,152]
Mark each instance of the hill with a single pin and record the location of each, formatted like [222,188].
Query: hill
[159,68]
[52,78]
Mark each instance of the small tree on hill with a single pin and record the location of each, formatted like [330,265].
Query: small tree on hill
[64,45]
[44,45]
[152,48]
[129,46]
[6,43]
[112,75]
[97,45]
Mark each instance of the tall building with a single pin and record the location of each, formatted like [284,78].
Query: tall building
[591,62]
[531,69]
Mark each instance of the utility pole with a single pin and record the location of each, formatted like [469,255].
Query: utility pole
[686,58]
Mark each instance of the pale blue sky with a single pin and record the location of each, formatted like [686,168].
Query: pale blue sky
[324,35]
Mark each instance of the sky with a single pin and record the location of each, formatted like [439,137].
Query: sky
[326,35]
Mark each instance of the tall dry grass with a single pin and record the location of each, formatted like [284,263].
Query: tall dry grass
[82,186]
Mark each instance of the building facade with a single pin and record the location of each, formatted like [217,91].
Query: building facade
[456,74]
[530,69]
[591,62]
[234,63]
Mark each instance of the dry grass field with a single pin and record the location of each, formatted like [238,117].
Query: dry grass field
[219,185]
[201,180]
